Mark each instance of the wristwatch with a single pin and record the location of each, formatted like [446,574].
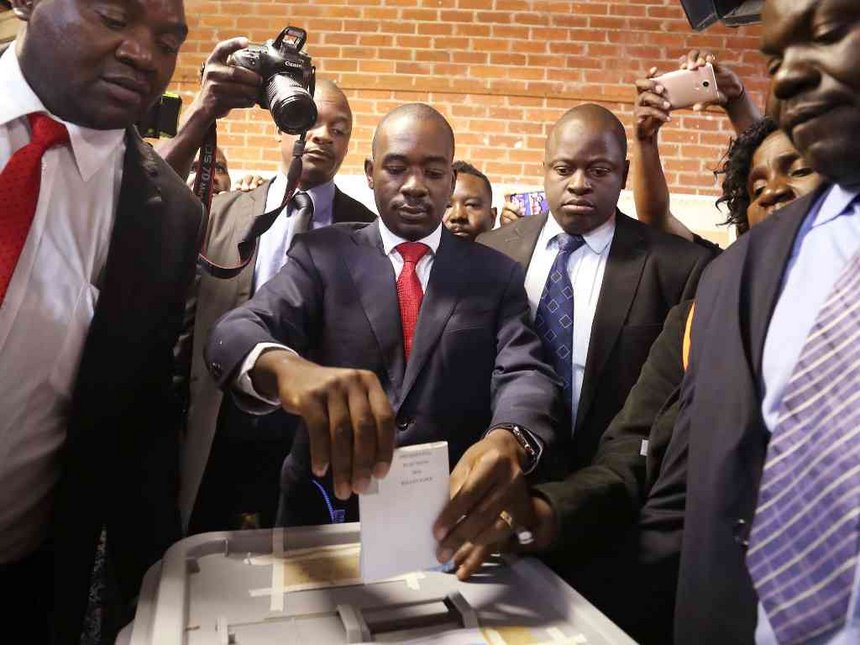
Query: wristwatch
[531,446]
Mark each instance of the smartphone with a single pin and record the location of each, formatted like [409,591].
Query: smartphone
[686,87]
[532,203]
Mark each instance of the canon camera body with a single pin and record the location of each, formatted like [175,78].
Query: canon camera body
[288,79]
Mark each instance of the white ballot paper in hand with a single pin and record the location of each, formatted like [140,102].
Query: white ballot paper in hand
[398,512]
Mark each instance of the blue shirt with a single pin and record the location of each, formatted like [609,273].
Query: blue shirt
[827,240]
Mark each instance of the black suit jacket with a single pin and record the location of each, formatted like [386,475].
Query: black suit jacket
[475,361]
[647,273]
[231,215]
[722,424]
[120,455]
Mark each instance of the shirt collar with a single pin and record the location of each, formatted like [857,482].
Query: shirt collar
[90,148]
[835,203]
[596,240]
[322,197]
[390,240]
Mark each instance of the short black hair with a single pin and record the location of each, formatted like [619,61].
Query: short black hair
[468,169]
[736,167]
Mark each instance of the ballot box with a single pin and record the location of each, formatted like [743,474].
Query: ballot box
[301,586]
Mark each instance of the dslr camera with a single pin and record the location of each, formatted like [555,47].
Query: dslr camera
[288,79]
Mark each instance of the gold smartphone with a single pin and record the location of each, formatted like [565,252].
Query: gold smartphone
[686,87]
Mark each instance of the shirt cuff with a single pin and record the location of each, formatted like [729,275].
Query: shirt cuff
[249,400]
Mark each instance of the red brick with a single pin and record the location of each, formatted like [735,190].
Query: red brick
[502,70]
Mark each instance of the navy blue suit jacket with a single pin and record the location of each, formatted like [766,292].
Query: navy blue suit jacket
[475,361]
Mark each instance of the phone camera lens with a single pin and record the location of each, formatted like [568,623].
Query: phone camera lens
[706,83]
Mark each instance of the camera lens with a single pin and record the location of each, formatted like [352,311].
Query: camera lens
[706,84]
[291,105]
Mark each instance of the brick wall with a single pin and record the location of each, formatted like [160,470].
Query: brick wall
[501,70]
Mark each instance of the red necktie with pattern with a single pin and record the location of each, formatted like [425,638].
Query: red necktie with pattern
[409,291]
[19,191]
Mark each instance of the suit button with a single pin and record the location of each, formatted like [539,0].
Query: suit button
[742,532]
[403,424]
[216,370]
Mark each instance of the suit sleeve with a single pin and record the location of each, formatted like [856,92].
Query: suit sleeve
[524,388]
[600,502]
[695,275]
[286,311]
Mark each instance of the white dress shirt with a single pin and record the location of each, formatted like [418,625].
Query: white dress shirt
[827,240]
[48,306]
[585,268]
[274,243]
[389,242]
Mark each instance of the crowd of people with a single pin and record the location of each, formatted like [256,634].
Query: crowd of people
[672,425]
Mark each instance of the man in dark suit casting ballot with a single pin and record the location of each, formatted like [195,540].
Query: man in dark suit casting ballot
[397,333]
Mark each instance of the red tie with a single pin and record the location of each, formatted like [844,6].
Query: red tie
[19,191]
[409,291]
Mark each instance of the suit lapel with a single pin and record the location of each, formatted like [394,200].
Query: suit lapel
[620,280]
[767,258]
[442,294]
[373,277]
[253,206]
[130,299]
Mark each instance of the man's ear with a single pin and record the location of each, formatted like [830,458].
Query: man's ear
[22,9]
[626,171]
[368,172]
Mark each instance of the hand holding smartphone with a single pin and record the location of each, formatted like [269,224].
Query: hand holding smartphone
[688,87]
[531,203]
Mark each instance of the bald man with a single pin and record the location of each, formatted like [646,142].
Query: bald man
[396,333]
[600,285]
[231,461]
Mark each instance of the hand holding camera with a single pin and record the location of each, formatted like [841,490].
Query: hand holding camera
[226,87]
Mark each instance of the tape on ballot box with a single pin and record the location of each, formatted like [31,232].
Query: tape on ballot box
[234,587]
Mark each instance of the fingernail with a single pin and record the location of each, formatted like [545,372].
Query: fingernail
[381,469]
[666,104]
[445,555]
[439,533]
[660,89]
[361,484]
[320,471]
[343,491]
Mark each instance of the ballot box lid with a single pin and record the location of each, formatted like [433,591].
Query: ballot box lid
[301,586]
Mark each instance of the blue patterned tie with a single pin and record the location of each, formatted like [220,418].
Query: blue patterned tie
[804,541]
[554,317]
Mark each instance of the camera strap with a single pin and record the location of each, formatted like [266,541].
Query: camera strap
[203,183]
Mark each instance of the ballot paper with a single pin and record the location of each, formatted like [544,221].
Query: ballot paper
[398,512]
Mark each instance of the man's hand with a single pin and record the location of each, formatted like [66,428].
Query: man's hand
[483,484]
[531,513]
[226,87]
[349,419]
[249,183]
[651,108]
[510,213]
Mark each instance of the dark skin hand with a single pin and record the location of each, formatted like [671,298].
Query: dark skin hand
[349,419]
[224,88]
[530,512]
[510,213]
[482,485]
